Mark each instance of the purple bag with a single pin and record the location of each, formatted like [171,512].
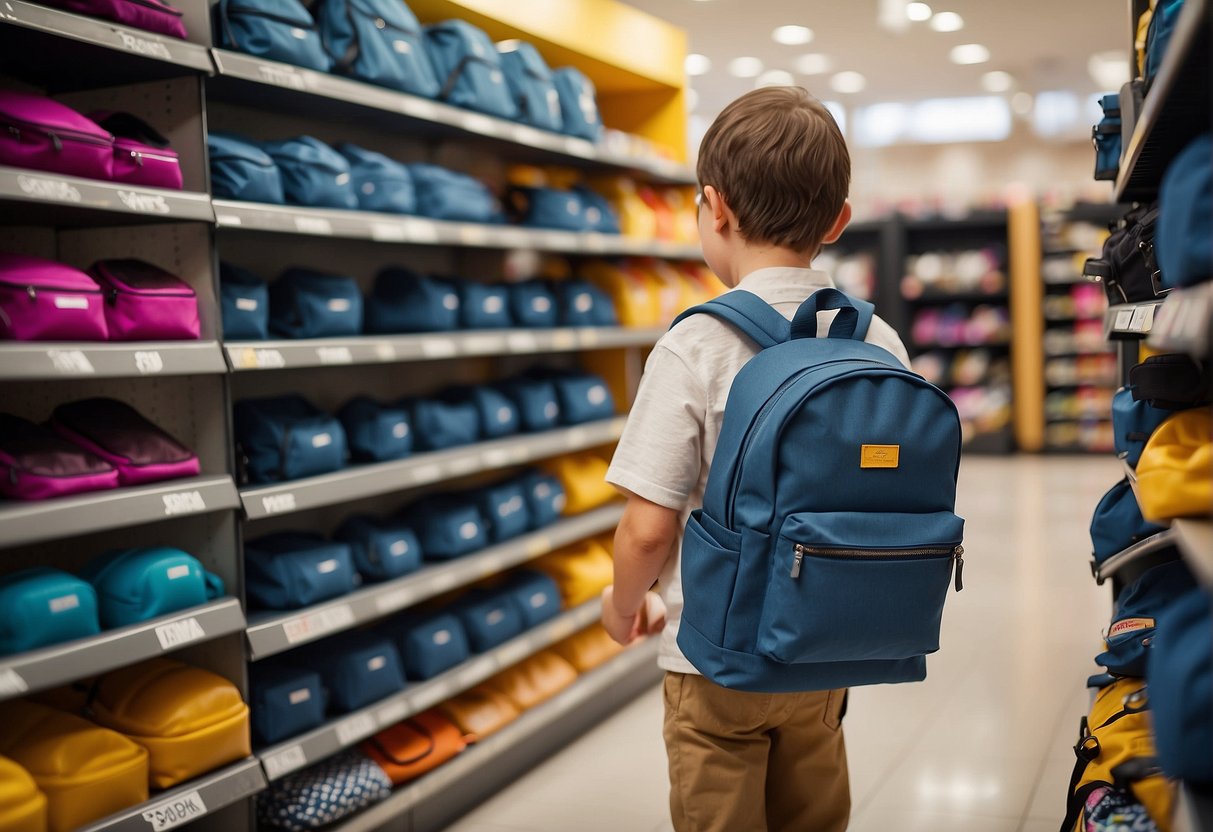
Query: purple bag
[119,434]
[141,154]
[41,300]
[39,133]
[148,15]
[36,463]
[145,303]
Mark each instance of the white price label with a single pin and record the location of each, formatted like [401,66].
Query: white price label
[278,503]
[148,362]
[1124,318]
[334,355]
[473,235]
[395,599]
[438,348]
[267,359]
[231,220]
[282,76]
[477,123]
[178,633]
[11,683]
[183,502]
[175,811]
[144,46]
[522,342]
[53,189]
[392,713]
[71,362]
[286,760]
[358,727]
[313,225]
[388,232]
[427,473]
[563,340]
[144,203]
[422,231]
[319,623]
[385,351]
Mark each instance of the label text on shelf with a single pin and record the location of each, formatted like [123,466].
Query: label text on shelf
[144,46]
[351,730]
[55,189]
[316,624]
[11,683]
[334,355]
[394,600]
[280,76]
[313,225]
[177,633]
[392,713]
[144,203]
[278,503]
[71,362]
[286,760]
[183,502]
[148,362]
[175,811]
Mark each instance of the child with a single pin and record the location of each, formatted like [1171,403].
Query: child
[773,173]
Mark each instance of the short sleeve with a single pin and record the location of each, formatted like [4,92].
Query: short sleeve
[661,450]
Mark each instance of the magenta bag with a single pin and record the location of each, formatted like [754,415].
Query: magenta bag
[145,303]
[36,463]
[39,133]
[41,300]
[148,15]
[141,154]
[119,434]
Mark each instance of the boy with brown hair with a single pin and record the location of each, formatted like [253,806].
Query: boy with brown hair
[773,173]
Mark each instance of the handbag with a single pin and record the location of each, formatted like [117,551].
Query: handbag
[1131,633]
[37,464]
[547,208]
[324,793]
[535,398]
[578,104]
[277,30]
[1173,474]
[241,170]
[582,571]
[22,803]
[404,301]
[489,618]
[1185,213]
[588,649]
[1180,675]
[439,423]
[120,435]
[287,437]
[446,195]
[420,744]
[535,594]
[380,184]
[289,570]
[142,155]
[286,701]
[244,304]
[480,712]
[311,304]
[545,498]
[469,67]
[1132,423]
[375,432]
[533,304]
[377,41]
[1106,138]
[148,15]
[583,476]
[504,505]
[1171,382]
[358,668]
[145,303]
[530,81]
[483,306]
[313,174]
[41,300]
[583,397]
[39,133]
[581,303]
[139,584]
[498,415]
[448,526]
[1117,523]
[1128,268]
[382,549]
[41,606]
[190,720]
[534,681]
[429,642]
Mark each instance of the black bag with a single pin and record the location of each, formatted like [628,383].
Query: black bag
[1128,268]
[1171,382]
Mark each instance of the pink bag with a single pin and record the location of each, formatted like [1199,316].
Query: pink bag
[36,464]
[145,303]
[148,15]
[142,156]
[39,133]
[119,434]
[41,300]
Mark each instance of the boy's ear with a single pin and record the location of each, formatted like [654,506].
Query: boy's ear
[840,224]
[721,213]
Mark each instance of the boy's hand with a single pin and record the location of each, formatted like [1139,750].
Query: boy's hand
[647,621]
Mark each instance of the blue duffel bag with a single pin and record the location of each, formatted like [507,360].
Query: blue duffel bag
[583,398]
[581,303]
[404,301]
[380,183]
[1132,629]
[1179,673]
[244,301]
[1133,422]
[545,497]
[42,606]
[285,701]
[497,413]
[313,174]
[547,208]
[533,304]
[429,642]
[444,194]
[578,104]
[358,668]
[1106,136]
[375,432]
[484,306]
[535,594]
[1117,522]
[287,437]
[242,170]
[289,570]
[135,585]
[382,549]
[377,41]
[278,30]
[439,424]
[600,214]
[447,526]
[505,507]
[311,304]
[469,68]
[530,82]
[490,618]
[536,400]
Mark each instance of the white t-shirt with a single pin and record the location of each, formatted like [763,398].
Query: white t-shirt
[671,432]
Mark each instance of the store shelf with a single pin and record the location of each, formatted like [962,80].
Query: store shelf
[30,197]
[250,81]
[1152,545]
[47,360]
[990,345]
[960,297]
[269,635]
[423,469]
[1176,109]
[113,509]
[1184,322]
[1130,320]
[323,352]
[1195,539]
[61,663]
[297,752]
[188,802]
[968,222]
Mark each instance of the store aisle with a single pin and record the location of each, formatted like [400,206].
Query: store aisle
[982,746]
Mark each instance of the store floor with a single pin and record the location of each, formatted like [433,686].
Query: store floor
[984,745]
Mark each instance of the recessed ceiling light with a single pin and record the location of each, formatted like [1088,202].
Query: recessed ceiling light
[1022,103]
[970,53]
[997,81]
[918,12]
[947,22]
[745,67]
[1109,69]
[793,35]
[697,64]
[775,78]
[813,64]
[848,82]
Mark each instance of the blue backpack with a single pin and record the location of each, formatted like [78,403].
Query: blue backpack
[439,424]
[535,594]
[404,301]
[444,194]
[490,618]
[545,497]
[1132,629]
[241,170]
[1180,675]
[358,668]
[548,208]
[244,301]
[448,526]
[1117,523]
[382,549]
[498,415]
[287,437]
[380,183]
[285,701]
[1106,136]
[533,304]
[584,304]
[505,507]
[289,570]
[530,82]
[279,30]
[377,41]
[537,402]
[583,397]
[313,174]
[310,304]
[429,642]
[1185,213]
[826,542]
[469,67]
[578,104]
[484,305]
[375,432]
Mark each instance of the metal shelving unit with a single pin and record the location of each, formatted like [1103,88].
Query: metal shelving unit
[46,360]
[1135,555]
[30,197]
[1184,321]
[1131,320]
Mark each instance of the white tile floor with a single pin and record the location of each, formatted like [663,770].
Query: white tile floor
[982,746]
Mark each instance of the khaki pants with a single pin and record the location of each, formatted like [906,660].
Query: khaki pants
[748,762]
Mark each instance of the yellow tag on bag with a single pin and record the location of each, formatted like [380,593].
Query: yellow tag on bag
[879,456]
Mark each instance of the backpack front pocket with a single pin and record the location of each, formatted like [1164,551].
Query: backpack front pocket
[849,586]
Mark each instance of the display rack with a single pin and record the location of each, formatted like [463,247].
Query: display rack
[46,360]
[37,198]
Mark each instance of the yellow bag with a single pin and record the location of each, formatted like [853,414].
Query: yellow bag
[636,218]
[85,771]
[22,804]
[686,213]
[534,680]
[582,571]
[1116,749]
[674,294]
[588,649]
[480,711]
[190,720]
[636,302]
[1139,42]
[1175,472]
[584,479]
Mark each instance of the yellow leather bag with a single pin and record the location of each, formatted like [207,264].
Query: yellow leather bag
[634,296]
[86,772]
[588,649]
[584,479]
[190,720]
[480,711]
[1175,472]
[534,680]
[22,803]
[582,571]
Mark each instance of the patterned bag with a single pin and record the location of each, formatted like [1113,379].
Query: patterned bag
[323,794]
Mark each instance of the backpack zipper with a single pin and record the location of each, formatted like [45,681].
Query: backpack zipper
[956,552]
[32,291]
[56,134]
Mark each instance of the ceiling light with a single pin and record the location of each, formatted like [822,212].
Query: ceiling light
[848,82]
[947,22]
[918,12]
[1022,103]
[793,35]
[745,67]
[997,81]
[697,64]
[1109,69]
[813,64]
[970,53]
[775,78]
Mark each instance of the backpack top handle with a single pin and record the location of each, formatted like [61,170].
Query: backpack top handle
[854,315]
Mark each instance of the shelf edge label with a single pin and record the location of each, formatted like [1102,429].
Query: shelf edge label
[71,362]
[11,683]
[175,811]
[144,46]
[144,203]
[278,503]
[350,730]
[178,633]
[183,502]
[285,761]
[53,189]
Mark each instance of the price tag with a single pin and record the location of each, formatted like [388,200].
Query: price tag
[183,502]
[522,342]
[1138,322]
[278,503]
[388,232]
[319,623]
[473,235]
[334,355]
[438,348]
[71,362]
[313,225]
[268,360]
[231,220]
[357,727]
[281,76]
[175,811]
[395,599]
[285,761]
[148,362]
[1124,317]
[563,340]
[144,203]
[178,633]
[422,231]
[11,683]
[56,190]
[427,473]
[392,713]
[513,653]
[385,351]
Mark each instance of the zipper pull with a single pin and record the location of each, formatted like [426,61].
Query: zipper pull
[958,554]
[32,292]
[57,142]
[112,296]
[796,563]
[138,157]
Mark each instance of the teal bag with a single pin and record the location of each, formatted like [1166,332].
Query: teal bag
[42,606]
[138,584]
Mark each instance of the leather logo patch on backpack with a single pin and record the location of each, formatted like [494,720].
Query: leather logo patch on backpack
[879,456]
[1130,625]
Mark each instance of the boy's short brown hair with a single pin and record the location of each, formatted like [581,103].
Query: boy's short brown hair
[777,157]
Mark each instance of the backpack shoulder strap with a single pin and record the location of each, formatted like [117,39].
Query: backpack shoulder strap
[749,313]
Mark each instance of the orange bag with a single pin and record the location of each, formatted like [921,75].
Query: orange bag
[582,571]
[666,222]
[534,680]
[22,804]
[588,649]
[418,745]
[480,711]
